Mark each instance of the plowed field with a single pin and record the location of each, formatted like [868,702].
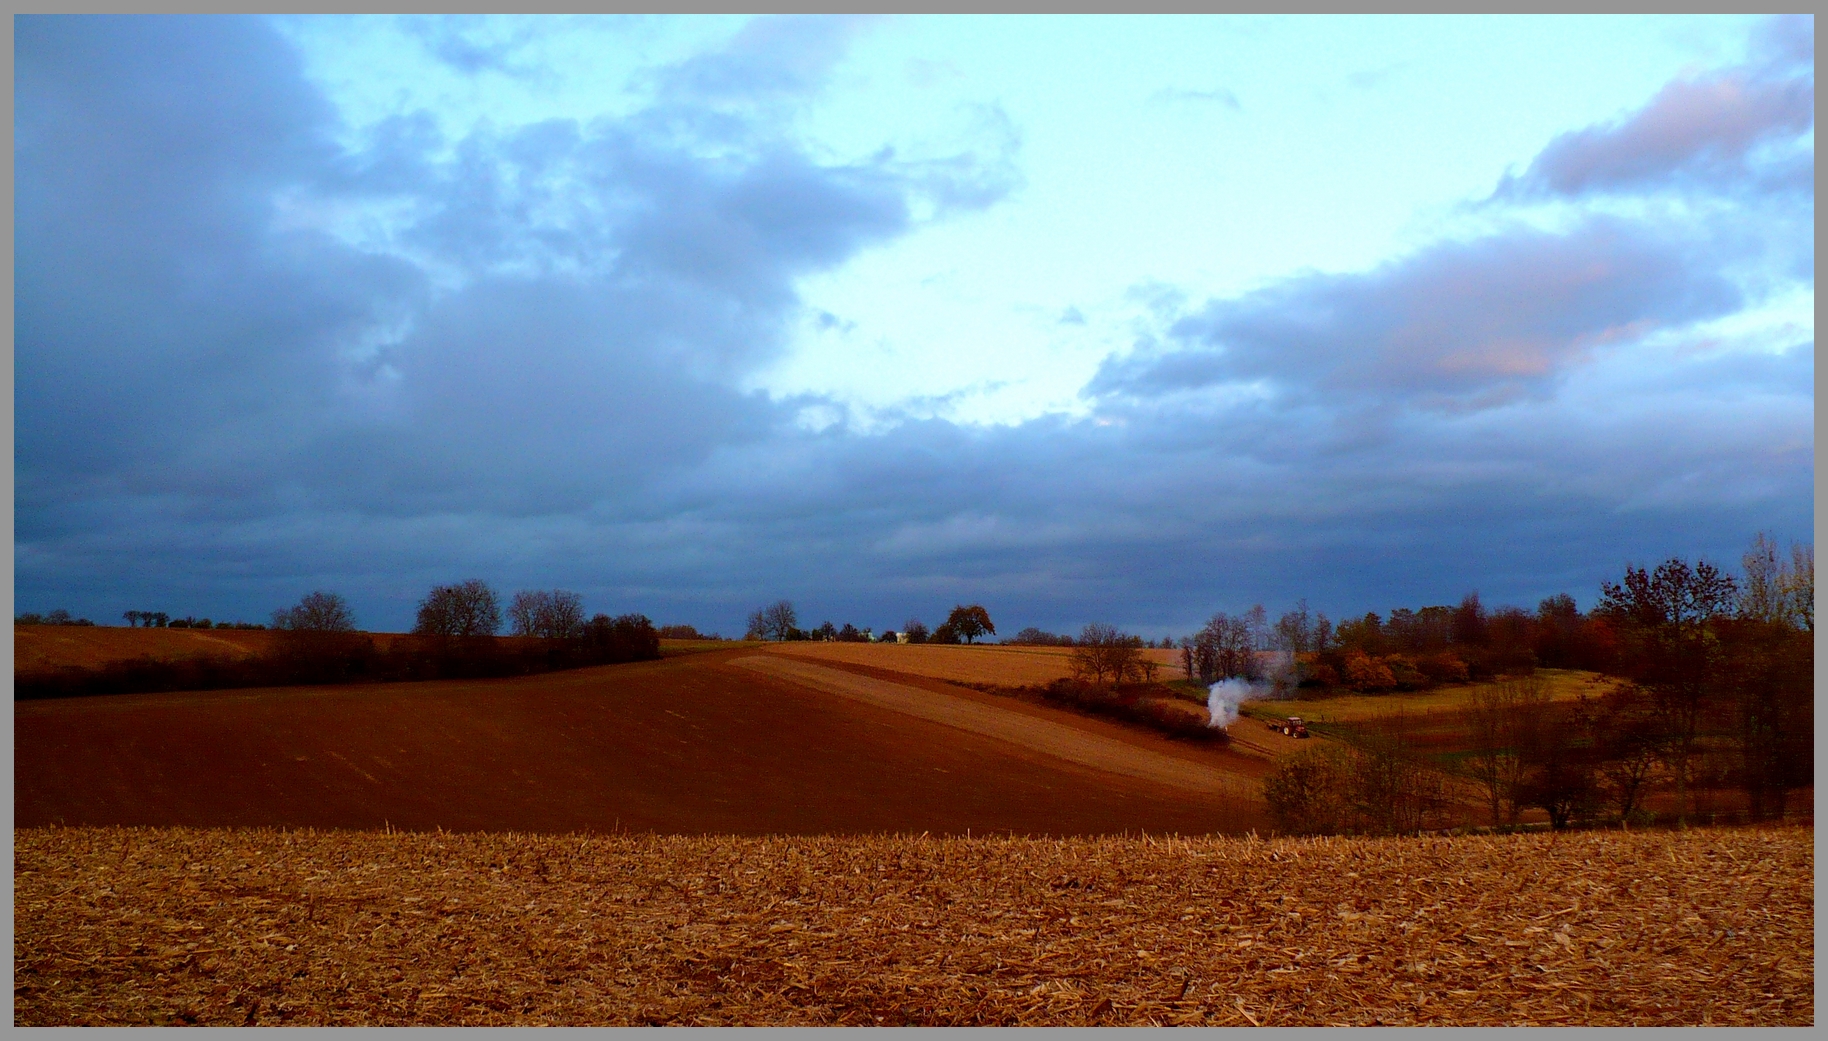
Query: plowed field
[960,663]
[693,745]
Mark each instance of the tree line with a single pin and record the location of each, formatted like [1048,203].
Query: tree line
[316,641]
[779,621]
[1715,692]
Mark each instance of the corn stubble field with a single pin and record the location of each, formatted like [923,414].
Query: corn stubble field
[119,926]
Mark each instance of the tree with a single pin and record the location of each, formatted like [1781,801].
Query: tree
[317,612]
[1103,654]
[1295,630]
[1501,716]
[1779,592]
[777,621]
[917,632]
[826,632]
[555,615]
[467,609]
[1469,622]
[629,637]
[1309,793]
[1625,743]
[1674,650]
[133,618]
[970,621]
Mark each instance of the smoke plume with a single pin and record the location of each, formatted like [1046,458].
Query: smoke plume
[1223,698]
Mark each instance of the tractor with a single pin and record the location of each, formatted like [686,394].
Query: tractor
[1289,727]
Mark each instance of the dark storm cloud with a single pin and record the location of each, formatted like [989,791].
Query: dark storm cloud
[1706,129]
[1458,324]
[530,373]
[554,319]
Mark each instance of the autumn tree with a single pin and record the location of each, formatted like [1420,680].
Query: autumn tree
[970,621]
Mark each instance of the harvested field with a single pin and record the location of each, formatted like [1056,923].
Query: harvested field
[690,744]
[959,663]
[261,927]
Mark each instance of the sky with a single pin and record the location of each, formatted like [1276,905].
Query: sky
[1086,319]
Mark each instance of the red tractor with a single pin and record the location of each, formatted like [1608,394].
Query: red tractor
[1290,727]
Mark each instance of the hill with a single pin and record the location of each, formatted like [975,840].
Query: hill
[699,743]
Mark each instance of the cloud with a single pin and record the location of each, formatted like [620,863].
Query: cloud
[1709,129]
[226,323]
[1457,324]
[251,363]
[769,57]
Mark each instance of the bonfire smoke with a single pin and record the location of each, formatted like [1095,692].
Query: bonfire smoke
[1223,698]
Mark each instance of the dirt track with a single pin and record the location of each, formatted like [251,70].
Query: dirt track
[1073,743]
[688,745]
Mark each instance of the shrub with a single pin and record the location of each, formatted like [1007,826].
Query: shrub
[1310,793]
[1367,674]
[1445,667]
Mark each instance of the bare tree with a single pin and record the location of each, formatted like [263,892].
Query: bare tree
[1295,630]
[1501,716]
[554,615]
[777,621]
[1675,655]
[466,609]
[317,612]
[1106,655]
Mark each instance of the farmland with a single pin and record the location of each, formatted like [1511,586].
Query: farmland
[818,834]
[239,927]
[989,665]
[42,648]
[1560,685]
[696,743]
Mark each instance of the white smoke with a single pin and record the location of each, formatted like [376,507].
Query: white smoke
[1223,699]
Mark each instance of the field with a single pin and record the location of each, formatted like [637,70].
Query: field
[959,663]
[42,648]
[265,927]
[698,743]
[1562,685]
[814,834]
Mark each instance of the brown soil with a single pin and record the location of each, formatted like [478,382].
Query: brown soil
[260,927]
[690,745]
[41,648]
[960,663]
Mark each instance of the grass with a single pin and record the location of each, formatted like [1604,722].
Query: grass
[1347,708]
